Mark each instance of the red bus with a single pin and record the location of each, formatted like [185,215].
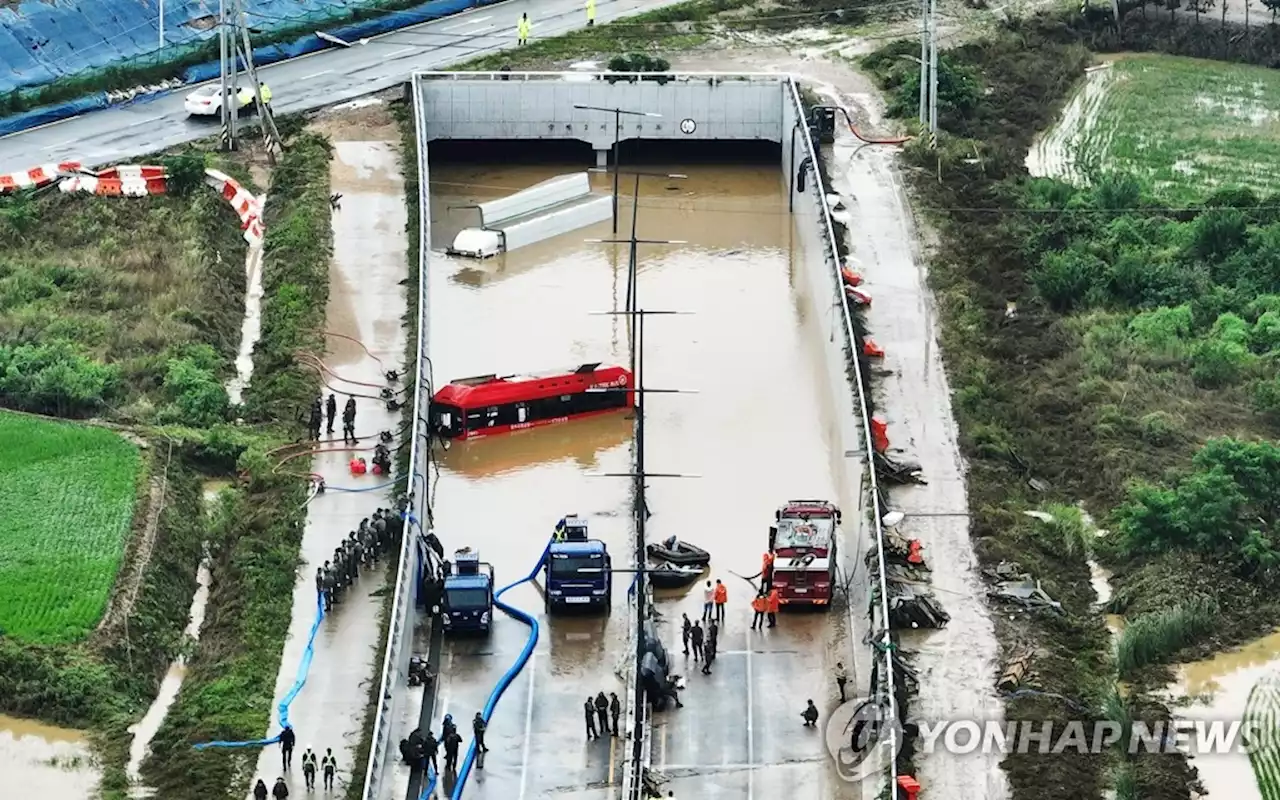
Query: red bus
[804,546]
[488,404]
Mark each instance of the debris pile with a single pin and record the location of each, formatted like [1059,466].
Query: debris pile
[1013,585]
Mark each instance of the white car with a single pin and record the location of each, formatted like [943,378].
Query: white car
[206,102]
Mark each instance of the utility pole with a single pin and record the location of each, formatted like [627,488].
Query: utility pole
[617,136]
[933,71]
[235,40]
[162,23]
[925,22]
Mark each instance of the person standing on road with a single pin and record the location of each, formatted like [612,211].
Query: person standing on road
[331,410]
[478,727]
[522,30]
[773,607]
[842,678]
[591,13]
[602,712]
[709,654]
[451,742]
[589,711]
[685,625]
[695,639]
[615,709]
[349,422]
[281,790]
[309,769]
[316,420]
[260,790]
[766,571]
[328,766]
[720,597]
[287,741]
[759,605]
[708,602]
[429,749]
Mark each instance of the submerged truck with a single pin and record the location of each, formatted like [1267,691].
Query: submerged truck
[803,541]
[579,570]
[468,594]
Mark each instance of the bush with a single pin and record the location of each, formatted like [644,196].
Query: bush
[55,378]
[1151,638]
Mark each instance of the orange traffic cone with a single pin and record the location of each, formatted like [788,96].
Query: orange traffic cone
[850,277]
[871,349]
[879,434]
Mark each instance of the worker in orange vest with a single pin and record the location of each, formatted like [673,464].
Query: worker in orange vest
[721,597]
[759,605]
[772,607]
[766,570]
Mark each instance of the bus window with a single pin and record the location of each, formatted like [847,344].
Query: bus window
[522,413]
[448,420]
[492,414]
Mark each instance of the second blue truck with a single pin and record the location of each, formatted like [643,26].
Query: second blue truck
[579,571]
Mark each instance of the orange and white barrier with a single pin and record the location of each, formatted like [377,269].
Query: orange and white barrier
[136,180]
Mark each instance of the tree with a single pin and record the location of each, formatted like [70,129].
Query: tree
[1273,6]
[1200,7]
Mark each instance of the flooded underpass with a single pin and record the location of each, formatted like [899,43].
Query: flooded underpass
[753,436]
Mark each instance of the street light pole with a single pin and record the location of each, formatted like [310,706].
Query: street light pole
[162,23]
[617,137]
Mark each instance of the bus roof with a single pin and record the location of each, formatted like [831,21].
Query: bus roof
[483,391]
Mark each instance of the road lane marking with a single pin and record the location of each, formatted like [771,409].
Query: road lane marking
[315,75]
[751,732]
[401,52]
[59,144]
[528,726]
[467,23]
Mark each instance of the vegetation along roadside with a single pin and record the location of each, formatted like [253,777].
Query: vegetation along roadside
[1110,356]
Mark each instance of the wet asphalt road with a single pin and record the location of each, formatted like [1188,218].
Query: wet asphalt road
[158,121]
[366,303]
[754,434]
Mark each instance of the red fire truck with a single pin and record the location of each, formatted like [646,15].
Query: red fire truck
[803,541]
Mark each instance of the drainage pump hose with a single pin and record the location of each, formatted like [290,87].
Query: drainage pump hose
[505,681]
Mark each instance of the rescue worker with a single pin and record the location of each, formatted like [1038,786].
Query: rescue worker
[766,571]
[328,766]
[685,626]
[810,715]
[368,545]
[330,584]
[760,604]
[260,790]
[280,791]
[695,639]
[382,458]
[451,742]
[429,748]
[720,597]
[602,711]
[380,529]
[287,741]
[349,422]
[773,607]
[322,589]
[448,727]
[709,652]
[357,549]
[589,712]
[591,13]
[615,709]
[842,678]
[309,769]
[522,30]
[478,727]
[708,602]
[317,419]
[331,411]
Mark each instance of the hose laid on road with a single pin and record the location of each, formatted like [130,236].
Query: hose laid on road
[505,680]
[282,709]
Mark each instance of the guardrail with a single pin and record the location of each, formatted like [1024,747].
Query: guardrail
[833,252]
[395,660]
[525,75]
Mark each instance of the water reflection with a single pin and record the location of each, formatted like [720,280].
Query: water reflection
[46,761]
[580,441]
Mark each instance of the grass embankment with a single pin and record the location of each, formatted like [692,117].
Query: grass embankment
[67,497]
[124,308]
[257,530]
[1141,337]
[1182,125]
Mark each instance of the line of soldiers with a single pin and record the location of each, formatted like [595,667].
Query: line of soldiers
[329,410]
[373,539]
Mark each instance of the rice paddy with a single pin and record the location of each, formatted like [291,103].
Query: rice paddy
[67,495]
[1184,126]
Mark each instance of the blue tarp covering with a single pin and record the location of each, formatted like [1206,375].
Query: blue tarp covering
[46,114]
[44,40]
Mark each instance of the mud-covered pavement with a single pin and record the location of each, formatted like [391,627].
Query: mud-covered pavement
[752,435]
[366,303]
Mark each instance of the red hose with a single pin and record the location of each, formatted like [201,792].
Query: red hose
[367,351]
[865,140]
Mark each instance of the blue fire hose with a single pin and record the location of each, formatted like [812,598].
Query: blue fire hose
[503,682]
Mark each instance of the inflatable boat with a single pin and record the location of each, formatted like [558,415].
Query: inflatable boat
[682,554]
[670,576]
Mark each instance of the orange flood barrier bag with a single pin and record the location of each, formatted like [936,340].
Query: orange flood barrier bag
[879,434]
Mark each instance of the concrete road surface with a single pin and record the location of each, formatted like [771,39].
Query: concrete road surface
[331,76]
[366,303]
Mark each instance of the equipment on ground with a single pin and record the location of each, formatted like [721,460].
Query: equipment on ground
[488,404]
[804,545]
[205,101]
[468,594]
[680,553]
[579,570]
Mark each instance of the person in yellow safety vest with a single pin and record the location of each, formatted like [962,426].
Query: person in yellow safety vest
[591,12]
[559,535]
[522,30]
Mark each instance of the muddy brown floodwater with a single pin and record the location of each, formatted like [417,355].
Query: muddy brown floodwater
[46,761]
[752,437]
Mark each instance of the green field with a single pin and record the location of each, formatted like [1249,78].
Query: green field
[1187,126]
[67,494]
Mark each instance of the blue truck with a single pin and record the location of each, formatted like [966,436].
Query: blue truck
[579,571]
[468,594]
